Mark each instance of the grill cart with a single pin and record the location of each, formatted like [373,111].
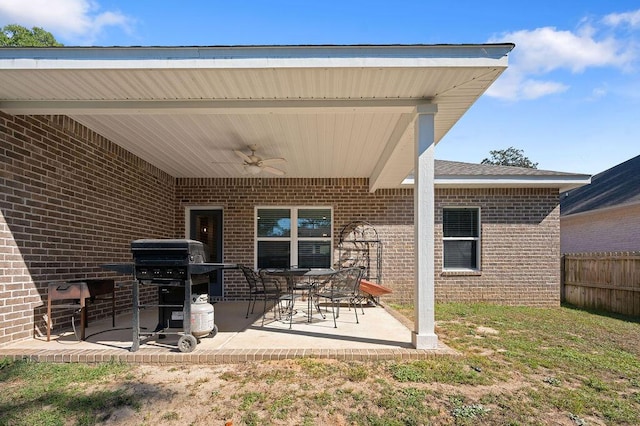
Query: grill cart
[179,269]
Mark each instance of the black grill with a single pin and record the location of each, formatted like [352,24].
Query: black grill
[168,264]
[169,261]
[174,266]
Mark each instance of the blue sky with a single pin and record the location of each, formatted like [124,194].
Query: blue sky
[570,98]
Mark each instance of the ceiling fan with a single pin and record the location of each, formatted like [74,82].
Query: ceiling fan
[254,164]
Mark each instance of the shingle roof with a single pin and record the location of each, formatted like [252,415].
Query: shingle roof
[445,168]
[616,186]
[455,174]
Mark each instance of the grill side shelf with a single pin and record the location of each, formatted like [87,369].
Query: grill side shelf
[203,268]
[123,268]
[196,268]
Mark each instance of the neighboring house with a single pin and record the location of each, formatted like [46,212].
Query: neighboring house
[102,146]
[605,215]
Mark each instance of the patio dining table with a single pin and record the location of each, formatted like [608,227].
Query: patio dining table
[295,279]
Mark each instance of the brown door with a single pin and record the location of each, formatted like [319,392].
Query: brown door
[206,226]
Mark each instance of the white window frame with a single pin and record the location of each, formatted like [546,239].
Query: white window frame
[476,239]
[293,238]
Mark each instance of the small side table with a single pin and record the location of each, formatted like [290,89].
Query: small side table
[80,290]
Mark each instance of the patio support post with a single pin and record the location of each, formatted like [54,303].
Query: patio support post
[424,336]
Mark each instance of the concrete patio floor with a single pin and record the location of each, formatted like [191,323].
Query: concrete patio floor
[381,334]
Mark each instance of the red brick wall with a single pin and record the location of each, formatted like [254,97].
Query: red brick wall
[520,232]
[520,247]
[70,201]
[390,212]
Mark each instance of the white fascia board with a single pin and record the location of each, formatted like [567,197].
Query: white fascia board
[256,57]
[220,106]
[600,210]
[562,183]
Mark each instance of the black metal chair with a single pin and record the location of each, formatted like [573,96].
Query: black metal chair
[301,286]
[285,279]
[264,288]
[342,285]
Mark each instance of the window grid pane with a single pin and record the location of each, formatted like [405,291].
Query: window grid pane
[460,254]
[314,223]
[460,223]
[274,223]
[461,235]
[274,254]
[314,254]
[307,245]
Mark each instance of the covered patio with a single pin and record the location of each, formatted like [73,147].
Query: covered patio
[138,138]
[381,334]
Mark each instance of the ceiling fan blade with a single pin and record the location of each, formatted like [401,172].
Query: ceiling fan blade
[269,161]
[242,155]
[273,170]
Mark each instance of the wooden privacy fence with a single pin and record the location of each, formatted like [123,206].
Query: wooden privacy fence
[604,281]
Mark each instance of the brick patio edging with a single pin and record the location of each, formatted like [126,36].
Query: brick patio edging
[221,356]
[227,356]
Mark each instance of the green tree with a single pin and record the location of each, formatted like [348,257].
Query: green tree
[17,35]
[509,157]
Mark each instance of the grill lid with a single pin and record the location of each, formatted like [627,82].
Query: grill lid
[168,251]
[167,259]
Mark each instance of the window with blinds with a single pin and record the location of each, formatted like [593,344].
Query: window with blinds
[281,245]
[461,238]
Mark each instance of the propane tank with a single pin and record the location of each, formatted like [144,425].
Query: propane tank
[201,316]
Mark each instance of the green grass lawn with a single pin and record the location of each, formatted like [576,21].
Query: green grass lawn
[583,363]
[519,366]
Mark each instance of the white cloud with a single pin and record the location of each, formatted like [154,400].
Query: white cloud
[542,51]
[75,21]
[546,49]
[631,18]
[514,85]
[533,89]
[598,92]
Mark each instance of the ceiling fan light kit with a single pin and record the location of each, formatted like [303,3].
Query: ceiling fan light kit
[252,169]
[254,164]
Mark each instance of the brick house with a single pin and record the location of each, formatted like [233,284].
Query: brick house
[101,146]
[603,216]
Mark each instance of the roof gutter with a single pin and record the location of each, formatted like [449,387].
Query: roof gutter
[239,57]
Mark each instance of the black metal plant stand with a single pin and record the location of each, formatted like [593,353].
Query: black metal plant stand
[359,246]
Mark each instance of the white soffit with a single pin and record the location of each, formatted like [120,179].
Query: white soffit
[331,111]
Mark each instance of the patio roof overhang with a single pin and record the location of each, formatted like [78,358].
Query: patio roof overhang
[561,183]
[454,174]
[331,111]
